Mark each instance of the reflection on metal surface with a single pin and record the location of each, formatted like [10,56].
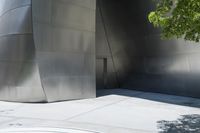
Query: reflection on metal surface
[64,35]
[143,61]
[55,61]
[47,51]
[19,74]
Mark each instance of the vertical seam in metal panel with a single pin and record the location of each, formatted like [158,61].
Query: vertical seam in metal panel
[110,49]
[46,100]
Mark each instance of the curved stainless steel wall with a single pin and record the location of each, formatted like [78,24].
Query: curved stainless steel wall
[59,63]
[19,75]
[64,34]
[141,60]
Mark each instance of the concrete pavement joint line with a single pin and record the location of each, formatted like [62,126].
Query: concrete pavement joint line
[73,128]
[79,123]
[47,129]
[29,118]
[109,126]
[97,109]
[20,117]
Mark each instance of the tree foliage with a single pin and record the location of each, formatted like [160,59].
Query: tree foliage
[177,18]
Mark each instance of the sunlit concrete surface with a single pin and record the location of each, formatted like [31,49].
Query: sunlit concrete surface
[114,111]
[44,130]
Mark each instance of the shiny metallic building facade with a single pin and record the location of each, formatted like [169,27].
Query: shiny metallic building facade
[19,72]
[64,36]
[54,50]
[47,50]
[136,56]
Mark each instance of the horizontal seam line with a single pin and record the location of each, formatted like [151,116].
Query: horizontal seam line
[16,34]
[28,5]
[88,8]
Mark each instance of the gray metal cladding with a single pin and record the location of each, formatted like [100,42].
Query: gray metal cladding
[64,34]
[7,5]
[47,50]
[142,60]
[19,73]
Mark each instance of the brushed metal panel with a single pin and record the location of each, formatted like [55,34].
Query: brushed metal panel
[19,72]
[44,8]
[28,76]
[16,21]
[82,41]
[83,3]
[194,63]
[67,76]
[68,15]
[102,48]
[43,38]
[3,74]
[17,48]
[105,79]
[122,19]
[65,45]
[166,64]
[192,85]
[131,47]
[157,47]
[142,60]
[21,82]
[108,78]
[8,5]
[58,39]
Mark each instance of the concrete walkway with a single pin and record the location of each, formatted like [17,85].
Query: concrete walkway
[115,111]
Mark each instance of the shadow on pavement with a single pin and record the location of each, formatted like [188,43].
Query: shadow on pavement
[158,97]
[184,124]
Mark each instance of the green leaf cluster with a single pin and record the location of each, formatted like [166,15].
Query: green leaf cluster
[177,18]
